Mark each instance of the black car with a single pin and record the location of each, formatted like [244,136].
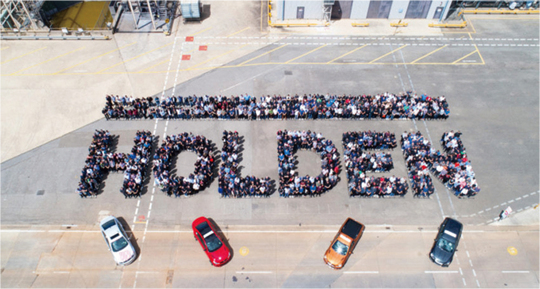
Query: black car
[446,242]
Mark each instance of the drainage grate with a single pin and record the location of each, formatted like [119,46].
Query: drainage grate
[288,72]
[40,192]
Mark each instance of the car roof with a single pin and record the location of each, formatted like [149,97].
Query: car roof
[453,225]
[351,228]
[113,230]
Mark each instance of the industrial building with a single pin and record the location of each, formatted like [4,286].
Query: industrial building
[328,10]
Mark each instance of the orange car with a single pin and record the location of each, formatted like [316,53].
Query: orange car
[343,244]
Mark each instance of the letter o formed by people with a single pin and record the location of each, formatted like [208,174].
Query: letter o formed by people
[196,181]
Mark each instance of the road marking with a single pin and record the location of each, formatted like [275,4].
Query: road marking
[429,53]
[512,251]
[262,55]
[96,57]
[313,50]
[215,57]
[244,251]
[347,53]
[33,51]
[440,272]
[253,272]
[135,57]
[48,60]
[361,272]
[61,272]
[388,53]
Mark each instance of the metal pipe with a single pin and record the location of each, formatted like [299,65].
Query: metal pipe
[104,37]
[132,14]
[151,14]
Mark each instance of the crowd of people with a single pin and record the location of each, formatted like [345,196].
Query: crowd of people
[292,185]
[357,162]
[231,184]
[136,164]
[196,181]
[307,106]
[100,161]
[454,168]
[416,150]
[96,161]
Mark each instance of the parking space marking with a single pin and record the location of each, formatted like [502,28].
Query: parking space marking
[31,52]
[135,57]
[251,59]
[388,53]
[298,57]
[46,61]
[96,57]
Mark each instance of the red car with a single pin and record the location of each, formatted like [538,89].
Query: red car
[213,246]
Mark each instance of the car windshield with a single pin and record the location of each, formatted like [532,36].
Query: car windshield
[108,225]
[446,245]
[340,248]
[119,244]
[212,242]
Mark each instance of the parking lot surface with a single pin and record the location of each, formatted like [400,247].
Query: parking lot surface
[50,236]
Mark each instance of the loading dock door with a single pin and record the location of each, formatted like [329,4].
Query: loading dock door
[418,9]
[379,9]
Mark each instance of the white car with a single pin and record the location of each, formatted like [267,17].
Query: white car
[118,242]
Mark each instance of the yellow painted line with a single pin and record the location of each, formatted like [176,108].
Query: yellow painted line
[429,53]
[135,57]
[48,60]
[475,51]
[346,54]
[480,54]
[33,51]
[505,18]
[201,31]
[238,32]
[4,48]
[262,55]
[313,50]
[215,57]
[388,53]
[472,26]
[86,61]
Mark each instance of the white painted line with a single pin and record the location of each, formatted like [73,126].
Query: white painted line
[254,272]
[468,256]
[61,272]
[494,207]
[526,196]
[480,212]
[464,283]
[148,217]
[517,199]
[502,204]
[460,272]
[474,272]
[477,283]
[511,201]
[441,272]
[515,272]
[488,209]
[150,207]
[470,262]
[361,272]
